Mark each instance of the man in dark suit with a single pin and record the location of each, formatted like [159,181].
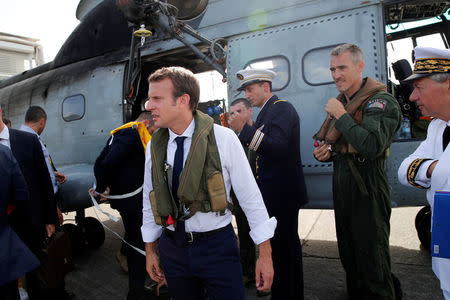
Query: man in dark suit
[36,219]
[275,137]
[119,170]
[16,258]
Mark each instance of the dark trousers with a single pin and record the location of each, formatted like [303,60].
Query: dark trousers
[33,238]
[246,244]
[9,291]
[209,265]
[132,221]
[287,258]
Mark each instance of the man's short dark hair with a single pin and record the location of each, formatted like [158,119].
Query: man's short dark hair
[244,101]
[183,80]
[34,114]
[145,115]
[7,122]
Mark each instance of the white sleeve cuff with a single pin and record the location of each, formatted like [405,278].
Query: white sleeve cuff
[264,231]
[421,176]
[150,232]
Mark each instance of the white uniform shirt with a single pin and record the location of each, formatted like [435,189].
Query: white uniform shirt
[236,172]
[4,137]
[431,148]
[46,156]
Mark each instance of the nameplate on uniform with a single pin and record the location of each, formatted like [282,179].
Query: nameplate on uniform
[440,233]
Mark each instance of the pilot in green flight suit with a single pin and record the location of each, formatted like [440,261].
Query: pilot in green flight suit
[356,136]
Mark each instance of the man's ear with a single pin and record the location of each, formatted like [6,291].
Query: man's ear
[448,83]
[361,66]
[42,122]
[185,99]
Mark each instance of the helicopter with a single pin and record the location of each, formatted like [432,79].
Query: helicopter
[97,81]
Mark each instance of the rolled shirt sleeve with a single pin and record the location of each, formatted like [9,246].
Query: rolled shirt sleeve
[150,230]
[245,187]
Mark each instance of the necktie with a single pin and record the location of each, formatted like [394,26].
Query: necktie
[445,137]
[180,231]
[177,166]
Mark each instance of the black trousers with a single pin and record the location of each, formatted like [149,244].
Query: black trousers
[9,291]
[287,258]
[132,221]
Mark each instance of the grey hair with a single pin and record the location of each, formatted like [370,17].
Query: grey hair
[355,51]
[441,77]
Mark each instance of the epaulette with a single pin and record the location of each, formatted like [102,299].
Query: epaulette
[280,101]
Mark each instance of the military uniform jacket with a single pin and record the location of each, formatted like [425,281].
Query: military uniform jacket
[275,137]
[120,166]
[15,258]
[427,152]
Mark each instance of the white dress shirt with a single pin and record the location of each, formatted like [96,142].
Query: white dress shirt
[4,137]
[236,172]
[431,148]
[46,156]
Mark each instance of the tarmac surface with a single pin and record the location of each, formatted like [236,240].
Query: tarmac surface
[97,274]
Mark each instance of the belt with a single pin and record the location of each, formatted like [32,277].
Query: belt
[191,236]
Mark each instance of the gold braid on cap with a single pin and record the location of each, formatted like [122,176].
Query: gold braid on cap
[412,172]
[432,65]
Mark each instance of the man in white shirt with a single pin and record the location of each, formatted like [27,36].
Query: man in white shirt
[192,223]
[428,166]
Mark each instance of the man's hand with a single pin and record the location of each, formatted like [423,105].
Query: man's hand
[431,168]
[60,177]
[94,194]
[264,267]
[335,108]
[152,264]
[160,285]
[237,121]
[323,152]
[105,193]
[50,228]
[60,216]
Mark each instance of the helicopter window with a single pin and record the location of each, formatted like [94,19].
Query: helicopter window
[73,108]
[278,64]
[316,66]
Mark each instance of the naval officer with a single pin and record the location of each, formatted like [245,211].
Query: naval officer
[275,137]
[428,166]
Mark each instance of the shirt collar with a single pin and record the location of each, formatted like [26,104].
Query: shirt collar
[266,102]
[187,133]
[4,134]
[26,128]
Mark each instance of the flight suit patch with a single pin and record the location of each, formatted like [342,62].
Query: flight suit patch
[377,103]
